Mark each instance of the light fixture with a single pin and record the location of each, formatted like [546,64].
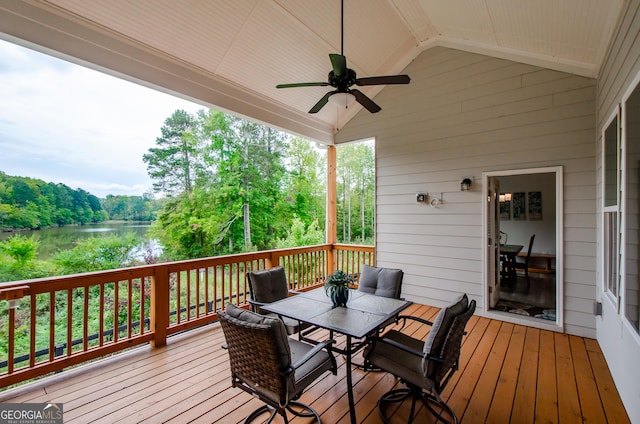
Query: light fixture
[465,184]
[343,100]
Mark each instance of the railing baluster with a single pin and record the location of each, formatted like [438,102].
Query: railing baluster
[116,315]
[129,307]
[188,297]
[85,319]
[101,320]
[52,325]
[69,320]
[11,344]
[32,331]
[141,314]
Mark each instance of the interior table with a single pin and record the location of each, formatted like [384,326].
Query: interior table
[362,317]
[509,251]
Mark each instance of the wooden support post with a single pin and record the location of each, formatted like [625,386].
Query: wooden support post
[332,209]
[160,305]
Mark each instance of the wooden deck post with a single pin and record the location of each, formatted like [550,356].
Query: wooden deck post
[332,214]
[160,305]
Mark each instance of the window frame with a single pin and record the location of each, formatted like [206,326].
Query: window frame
[611,215]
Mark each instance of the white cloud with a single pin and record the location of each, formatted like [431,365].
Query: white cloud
[65,123]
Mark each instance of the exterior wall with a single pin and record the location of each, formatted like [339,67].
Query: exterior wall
[619,342]
[464,114]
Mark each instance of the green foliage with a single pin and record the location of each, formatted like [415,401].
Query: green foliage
[28,203]
[131,208]
[190,226]
[356,189]
[301,235]
[338,278]
[21,248]
[173,164]
[97,253]
[238,186]
[17,259]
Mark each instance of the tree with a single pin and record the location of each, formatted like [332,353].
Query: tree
[356,185]
[21,248]
[304,186]
[32,203]
[172,165]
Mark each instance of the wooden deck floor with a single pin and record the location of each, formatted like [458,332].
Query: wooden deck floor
[508,373]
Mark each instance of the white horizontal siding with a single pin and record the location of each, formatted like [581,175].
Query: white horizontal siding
[464,114]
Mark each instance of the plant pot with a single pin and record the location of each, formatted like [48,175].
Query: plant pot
[339,295]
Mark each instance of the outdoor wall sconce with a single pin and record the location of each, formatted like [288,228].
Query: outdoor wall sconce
[465,184]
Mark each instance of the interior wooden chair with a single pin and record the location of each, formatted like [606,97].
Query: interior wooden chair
[269,365]
[426,367]
[267,286]
[524,265]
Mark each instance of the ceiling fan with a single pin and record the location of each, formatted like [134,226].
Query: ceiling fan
[342,79]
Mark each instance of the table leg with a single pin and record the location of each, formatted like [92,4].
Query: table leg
[352,406]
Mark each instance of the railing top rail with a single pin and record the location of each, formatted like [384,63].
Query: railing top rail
[359,247]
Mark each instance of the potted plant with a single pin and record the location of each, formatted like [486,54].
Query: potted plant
[337,287]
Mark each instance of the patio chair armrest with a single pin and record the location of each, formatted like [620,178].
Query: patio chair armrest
[404,319]
[402,347]
[317,348]
[255,305]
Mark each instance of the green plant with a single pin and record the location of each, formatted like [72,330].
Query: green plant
[337,279]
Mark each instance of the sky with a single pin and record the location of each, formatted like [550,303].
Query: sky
[64,123]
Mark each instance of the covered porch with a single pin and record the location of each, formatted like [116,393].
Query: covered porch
[520,98]
[508,373]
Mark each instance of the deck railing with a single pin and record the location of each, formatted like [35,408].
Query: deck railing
[49,324]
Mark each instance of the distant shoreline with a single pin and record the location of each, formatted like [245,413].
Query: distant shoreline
[114,221]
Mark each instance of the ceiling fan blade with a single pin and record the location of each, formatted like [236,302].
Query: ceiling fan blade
[339,63]
[303,84]
[389,79]
[323,101]
[365,101]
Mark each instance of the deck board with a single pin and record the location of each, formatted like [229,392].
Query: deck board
[508,373]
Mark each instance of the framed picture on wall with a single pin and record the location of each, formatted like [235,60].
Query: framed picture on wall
[505,206]
[534,202]
[518,209]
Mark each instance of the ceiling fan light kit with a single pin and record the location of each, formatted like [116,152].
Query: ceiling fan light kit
[343,100]
[342,79]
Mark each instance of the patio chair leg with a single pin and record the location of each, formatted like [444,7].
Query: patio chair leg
[264,408]
[300,410]
[429,400]
[394,396]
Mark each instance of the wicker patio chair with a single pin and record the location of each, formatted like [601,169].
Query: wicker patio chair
[424,367]
[268,286]
[271,366]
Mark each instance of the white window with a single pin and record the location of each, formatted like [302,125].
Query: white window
[611,212]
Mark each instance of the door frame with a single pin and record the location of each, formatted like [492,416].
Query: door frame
[558,325]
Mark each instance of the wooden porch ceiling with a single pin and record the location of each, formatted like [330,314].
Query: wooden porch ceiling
[230,55]
[508,373]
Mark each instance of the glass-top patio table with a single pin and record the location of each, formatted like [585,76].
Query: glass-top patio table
[363,316]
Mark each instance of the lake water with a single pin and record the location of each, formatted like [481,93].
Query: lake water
[63,238]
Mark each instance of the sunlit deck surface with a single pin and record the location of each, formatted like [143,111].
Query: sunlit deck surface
[508,373]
